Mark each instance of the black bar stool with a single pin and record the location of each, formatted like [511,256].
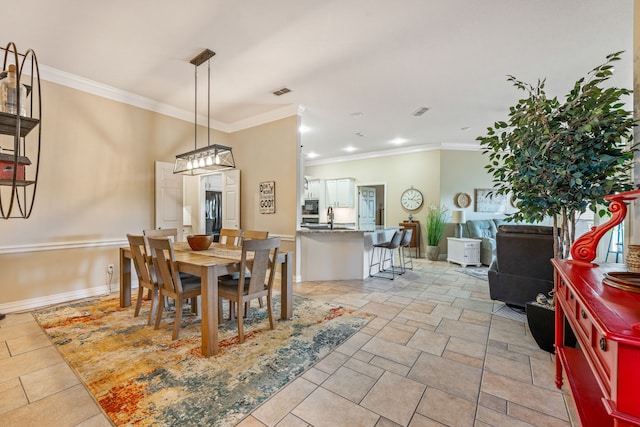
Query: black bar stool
[404,244]
[386,254]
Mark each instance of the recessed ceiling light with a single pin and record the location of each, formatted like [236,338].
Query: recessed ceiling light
[312,155]
[281,91]
[398,141]
[420,111]
[350,149]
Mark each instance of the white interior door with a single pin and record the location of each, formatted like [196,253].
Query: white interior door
[366,206]
[231,199]
[168,195]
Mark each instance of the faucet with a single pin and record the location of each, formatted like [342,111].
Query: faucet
[330,217]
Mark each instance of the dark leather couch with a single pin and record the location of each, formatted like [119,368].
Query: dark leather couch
[522,268]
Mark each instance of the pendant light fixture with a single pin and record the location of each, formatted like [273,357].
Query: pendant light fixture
[212,157]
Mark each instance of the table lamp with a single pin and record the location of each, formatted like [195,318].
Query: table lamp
[457,217]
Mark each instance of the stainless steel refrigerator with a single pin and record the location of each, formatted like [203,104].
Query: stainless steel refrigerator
[213,213]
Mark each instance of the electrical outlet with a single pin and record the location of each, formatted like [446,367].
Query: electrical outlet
[110,269]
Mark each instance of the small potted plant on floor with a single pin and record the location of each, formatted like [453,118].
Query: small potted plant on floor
[436,220]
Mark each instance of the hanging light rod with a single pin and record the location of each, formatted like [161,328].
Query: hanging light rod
[205,55]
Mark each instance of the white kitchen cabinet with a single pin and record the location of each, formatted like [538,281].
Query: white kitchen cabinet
[463,251]
[341,192]
[314,188]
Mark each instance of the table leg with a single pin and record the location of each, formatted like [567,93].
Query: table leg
[286,287]
[125,279]
[209,280]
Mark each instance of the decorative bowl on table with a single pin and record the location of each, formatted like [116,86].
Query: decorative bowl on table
[200,242]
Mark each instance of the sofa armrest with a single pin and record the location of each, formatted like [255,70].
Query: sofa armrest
[487,250]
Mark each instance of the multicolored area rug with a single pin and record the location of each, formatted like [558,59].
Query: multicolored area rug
[140,377]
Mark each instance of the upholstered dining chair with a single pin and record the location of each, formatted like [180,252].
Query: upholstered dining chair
[229,236]
[170,284]
[258,258]
[142,264]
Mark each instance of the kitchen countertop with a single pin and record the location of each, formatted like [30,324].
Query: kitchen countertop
[339,229]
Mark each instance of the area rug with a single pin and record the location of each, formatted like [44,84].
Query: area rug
[478,272]
[140,377]
[511,313]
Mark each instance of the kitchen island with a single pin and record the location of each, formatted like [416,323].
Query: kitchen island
[340,254]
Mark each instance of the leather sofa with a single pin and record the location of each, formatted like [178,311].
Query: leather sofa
[522,268]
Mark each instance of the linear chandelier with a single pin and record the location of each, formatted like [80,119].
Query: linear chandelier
[212,157]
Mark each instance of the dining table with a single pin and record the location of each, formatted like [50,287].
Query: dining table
[210,264]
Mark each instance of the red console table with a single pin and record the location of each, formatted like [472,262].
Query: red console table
[604,370]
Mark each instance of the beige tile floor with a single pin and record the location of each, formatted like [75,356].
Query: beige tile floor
[435,355]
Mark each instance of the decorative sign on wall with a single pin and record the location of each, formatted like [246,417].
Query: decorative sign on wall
[268,197]
[488,201]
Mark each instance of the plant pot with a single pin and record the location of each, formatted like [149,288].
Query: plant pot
[433,252]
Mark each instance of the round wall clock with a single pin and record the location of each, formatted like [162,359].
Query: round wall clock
[411,199]
[463,200]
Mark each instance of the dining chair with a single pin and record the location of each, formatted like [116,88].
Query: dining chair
[258,258]
[170,284]
[229,236]
[142,264]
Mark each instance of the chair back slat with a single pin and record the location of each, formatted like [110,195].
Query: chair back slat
[162,232]
[141,260]
[164,262]
[254,235]
[229,236]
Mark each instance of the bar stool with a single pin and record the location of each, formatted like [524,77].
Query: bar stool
[386,253]
[404,244]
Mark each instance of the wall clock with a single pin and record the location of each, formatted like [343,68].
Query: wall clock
[411,199]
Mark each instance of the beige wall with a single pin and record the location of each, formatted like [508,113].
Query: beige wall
[97,182]
[268,153]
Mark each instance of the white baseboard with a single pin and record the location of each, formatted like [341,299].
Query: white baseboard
[39,302]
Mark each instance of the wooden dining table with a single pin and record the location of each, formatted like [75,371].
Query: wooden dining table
[209,264]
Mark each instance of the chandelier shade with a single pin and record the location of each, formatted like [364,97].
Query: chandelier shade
[205,160]
[212,157]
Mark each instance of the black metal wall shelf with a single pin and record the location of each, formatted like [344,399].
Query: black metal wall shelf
[20,136]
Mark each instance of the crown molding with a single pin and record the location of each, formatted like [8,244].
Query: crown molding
[394,152]
[82,84]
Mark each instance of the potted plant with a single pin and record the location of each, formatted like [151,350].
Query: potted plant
[436,220]
[558,159]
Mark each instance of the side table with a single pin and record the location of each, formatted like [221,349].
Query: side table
[463,251]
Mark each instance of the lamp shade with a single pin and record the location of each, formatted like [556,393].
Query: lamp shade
[457,217]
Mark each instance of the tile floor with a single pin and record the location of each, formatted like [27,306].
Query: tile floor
[435,355]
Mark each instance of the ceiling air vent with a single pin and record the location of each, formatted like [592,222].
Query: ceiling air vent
[420,111]
[281,92]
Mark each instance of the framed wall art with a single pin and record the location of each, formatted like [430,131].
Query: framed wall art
[486,200]
[268,197]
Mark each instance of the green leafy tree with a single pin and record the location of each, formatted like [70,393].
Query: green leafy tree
[558,159]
